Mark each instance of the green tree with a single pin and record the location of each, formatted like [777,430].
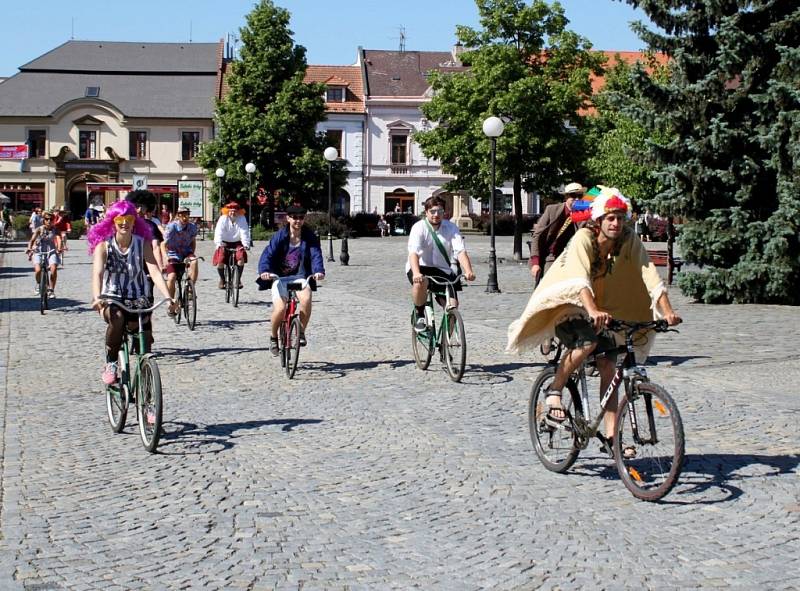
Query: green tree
[528,69]
[730,167]
[269,116]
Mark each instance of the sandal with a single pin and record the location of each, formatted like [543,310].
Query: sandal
[551,418]
[607,446]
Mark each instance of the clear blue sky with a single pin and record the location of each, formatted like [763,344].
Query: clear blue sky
[331,30]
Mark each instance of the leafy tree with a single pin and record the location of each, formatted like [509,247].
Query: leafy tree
[269,116]
[525,67]
[731,166]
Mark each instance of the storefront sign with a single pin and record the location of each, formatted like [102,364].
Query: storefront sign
[14,152]
[190,194]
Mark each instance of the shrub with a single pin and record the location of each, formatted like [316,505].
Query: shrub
[259,232]
[503,223]
[318,221]
[363,224]
[78,228]
[402,221]
[21,222]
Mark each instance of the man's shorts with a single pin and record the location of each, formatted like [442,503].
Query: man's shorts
[175,266]
[279,290]
[53,259]
[434,272]
[575,333]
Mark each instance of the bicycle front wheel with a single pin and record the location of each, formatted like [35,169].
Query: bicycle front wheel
[454,343]
[237,277]
[44,283]
[556,447]
[117,404]
[179,298]
[293,347]
[649,445]
[228,283]
[190,305]
[149,405]
[421,343]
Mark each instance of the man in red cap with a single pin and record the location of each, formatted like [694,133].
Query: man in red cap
[231,231]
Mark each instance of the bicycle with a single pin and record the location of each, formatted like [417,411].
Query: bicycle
[140,381]
[44,277]
[291,328]
[233,276]
[186,295]
[450,339]
[648,445]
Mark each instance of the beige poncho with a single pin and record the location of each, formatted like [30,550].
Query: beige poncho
[628,292]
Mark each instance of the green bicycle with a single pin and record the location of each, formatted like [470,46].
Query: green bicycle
[450,339]
[139,381]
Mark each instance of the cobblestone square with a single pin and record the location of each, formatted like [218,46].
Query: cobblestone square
[364,472]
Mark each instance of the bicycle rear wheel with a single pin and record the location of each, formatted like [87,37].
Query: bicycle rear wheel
[422,343]
[190,304]
[454,344]
[179,298]
[149,405]
[237,277]
[44,283]
[293,347]
[649,444]
[556,448]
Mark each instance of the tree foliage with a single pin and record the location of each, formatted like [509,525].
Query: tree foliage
[269,116]
[731,165]
[528,69]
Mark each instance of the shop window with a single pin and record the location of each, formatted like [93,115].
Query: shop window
[137,145]
[190,144]
[87,144]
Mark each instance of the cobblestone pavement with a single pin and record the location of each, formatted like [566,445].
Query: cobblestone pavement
[364,472]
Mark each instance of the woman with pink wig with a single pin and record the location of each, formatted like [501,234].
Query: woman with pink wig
[122,257]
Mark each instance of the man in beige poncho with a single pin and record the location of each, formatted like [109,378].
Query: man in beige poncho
[603,273]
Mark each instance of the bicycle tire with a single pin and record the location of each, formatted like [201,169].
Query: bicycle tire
[190,311]
[117,399]
[282,330]
[454,345]
[228,284]
[179,298]
[659,448]
[44,283]
[237,277]
[557,449]
[422,343]
[293,347]
[149,405]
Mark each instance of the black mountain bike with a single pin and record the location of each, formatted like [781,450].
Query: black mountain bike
[44,277]
[233,277]
[648,444]
[186,295]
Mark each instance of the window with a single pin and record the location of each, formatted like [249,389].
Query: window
[399,149]
[190,144]
[37,143]
[87,144]
[92,91]
[137,149]
[334,94]
[333,137]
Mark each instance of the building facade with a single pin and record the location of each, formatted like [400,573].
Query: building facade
[94,114]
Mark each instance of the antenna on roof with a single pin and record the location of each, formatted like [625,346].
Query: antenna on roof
[402,38]
[72,35]
[190,31]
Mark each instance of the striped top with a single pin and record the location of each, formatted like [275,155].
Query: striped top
[125,277]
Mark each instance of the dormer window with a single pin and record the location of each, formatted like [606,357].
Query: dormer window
[92,91]
[334,94]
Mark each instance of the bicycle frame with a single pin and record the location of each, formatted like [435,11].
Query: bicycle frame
[449,289]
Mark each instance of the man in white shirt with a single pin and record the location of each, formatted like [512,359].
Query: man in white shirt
[231,231]
[434,246]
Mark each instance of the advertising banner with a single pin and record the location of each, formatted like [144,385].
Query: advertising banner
[190,194]
[15,152]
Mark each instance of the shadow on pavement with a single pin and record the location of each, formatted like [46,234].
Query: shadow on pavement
[673,359]
[56,304]
[198,439]
[501,373]
[229,324]
[325,370]
[16,271]
[183,356]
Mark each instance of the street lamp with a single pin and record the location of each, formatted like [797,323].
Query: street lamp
[330,154]
[220,172]
[493,129]
[250,168]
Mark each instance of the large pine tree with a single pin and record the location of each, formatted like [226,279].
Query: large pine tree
[731,169]
[269,116]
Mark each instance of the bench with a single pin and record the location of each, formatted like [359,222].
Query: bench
[659,258]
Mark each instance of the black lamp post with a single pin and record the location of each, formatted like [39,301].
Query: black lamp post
[330,154]
[493,128]
[250,168]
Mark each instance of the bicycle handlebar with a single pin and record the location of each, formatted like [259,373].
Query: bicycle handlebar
[631,327]
[443,281]
[133,310]
[192,259]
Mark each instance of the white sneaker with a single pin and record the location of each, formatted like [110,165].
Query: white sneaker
[420,325]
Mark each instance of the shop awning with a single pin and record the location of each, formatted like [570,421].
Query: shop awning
[157,189]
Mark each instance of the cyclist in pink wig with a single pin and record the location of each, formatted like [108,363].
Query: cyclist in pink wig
[104,229]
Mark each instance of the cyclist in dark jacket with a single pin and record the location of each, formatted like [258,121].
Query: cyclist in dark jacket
[293,254]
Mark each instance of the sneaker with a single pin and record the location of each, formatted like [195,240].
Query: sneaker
[110,373]
[273,346]
[420,325]
[36,290]
[51,294]
[302,339]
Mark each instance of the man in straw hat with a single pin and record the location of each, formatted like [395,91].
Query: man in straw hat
[231,231]
[553,230]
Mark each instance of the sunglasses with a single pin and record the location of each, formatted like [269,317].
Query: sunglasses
[436,211]
[48,219]
[121,220]
[297,216]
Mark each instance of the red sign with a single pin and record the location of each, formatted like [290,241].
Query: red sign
[16,152]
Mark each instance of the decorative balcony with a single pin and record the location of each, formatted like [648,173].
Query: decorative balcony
[399,169]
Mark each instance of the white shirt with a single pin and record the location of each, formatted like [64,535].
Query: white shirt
[232,231]
[420,241]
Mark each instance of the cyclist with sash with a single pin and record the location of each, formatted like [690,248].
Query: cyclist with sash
[435,249]
[180,242]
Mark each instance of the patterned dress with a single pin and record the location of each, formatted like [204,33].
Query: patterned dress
[125,277]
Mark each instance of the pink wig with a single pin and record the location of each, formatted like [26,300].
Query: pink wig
[105,229]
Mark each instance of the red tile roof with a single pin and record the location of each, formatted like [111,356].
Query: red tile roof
[347,76]
[614,57]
